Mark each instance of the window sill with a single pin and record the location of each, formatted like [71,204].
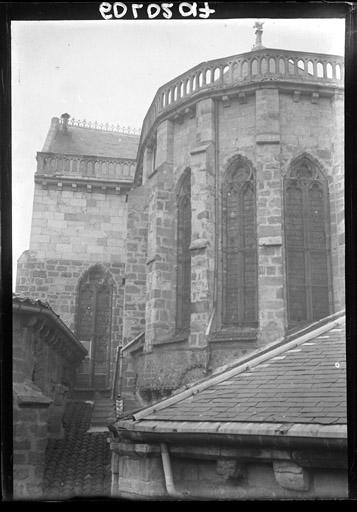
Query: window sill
[234,334]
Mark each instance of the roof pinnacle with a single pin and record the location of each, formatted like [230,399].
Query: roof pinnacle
[258,35]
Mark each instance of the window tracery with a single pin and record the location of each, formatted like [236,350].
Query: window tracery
[239,246]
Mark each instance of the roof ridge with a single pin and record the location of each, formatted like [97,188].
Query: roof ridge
[103,127]
[255,358]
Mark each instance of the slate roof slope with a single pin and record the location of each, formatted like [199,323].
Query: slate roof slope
[305,384]
[93,142]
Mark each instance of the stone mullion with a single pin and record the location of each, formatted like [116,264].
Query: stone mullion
[307,251]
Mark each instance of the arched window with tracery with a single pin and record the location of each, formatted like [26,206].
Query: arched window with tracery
[306,242]
[93,325]
[239,303]
[183,278]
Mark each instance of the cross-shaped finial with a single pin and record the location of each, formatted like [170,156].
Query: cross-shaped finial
[258,35]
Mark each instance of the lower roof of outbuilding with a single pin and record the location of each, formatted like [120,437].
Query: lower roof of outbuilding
[296,388]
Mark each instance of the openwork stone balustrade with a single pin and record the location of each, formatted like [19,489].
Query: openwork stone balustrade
[244,69]
[118,169]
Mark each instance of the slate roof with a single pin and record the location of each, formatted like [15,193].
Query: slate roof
[78,464]
[304,384]
[92,142]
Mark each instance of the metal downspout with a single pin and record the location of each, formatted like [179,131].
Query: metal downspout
[169,480]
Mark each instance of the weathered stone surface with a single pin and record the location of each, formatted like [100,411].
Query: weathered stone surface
[230,469]
[291,476]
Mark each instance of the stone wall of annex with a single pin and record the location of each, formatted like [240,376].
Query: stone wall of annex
[227,473]
[43,376]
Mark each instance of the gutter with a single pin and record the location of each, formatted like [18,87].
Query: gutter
[278,439]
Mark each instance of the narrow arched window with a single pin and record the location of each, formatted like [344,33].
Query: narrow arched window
[93,325]
[183,282]
[306,242]
[239,246]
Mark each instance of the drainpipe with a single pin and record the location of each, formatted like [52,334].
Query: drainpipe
[169,480]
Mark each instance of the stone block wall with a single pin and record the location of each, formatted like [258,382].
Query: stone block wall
[269,126]
[135,268]
[56,282]
[36,361]
[78,224]
[217,472]
[30,438]
[42,377]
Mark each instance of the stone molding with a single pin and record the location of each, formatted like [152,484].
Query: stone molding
[29,395]
[88,184]
[49,328]
[199,243]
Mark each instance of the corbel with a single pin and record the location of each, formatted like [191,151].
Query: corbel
[296,96]
[226,101]
[242,98]
[190,112]
[315,97]
[179,117]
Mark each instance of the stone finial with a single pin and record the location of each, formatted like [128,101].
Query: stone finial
[258,35]
[65,118]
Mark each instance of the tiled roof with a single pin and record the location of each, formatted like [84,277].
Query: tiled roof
[92,142]
[304,384]
[78,464]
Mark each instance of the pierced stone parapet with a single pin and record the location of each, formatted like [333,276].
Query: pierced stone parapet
[247,70]
[76,166]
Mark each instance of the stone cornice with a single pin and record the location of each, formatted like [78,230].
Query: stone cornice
[50,329]
[29,395]
[239,91]
[89,184]
[86,157]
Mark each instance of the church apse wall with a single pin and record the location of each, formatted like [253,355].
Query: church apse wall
[229,235]
[264,211]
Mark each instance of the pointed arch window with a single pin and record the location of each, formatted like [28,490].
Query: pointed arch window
[239,246]
[306,242]
[93,324]
[183,282]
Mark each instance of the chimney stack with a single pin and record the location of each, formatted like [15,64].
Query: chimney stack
[65,118]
